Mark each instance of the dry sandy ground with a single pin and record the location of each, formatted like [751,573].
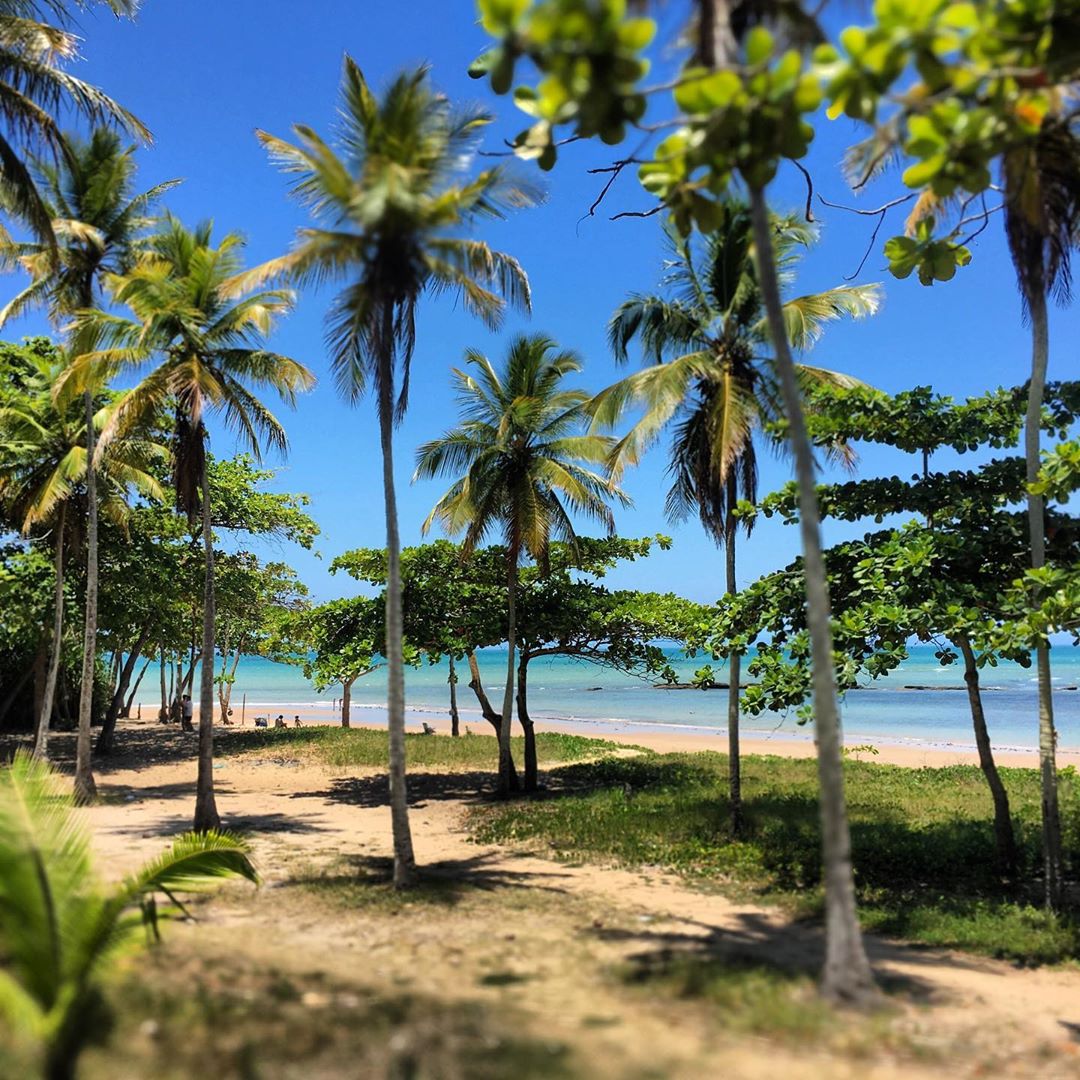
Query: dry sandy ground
[554,940]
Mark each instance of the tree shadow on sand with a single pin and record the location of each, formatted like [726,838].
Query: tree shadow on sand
[368,879]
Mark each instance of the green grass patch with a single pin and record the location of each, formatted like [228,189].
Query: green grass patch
[922,841]
[350,747]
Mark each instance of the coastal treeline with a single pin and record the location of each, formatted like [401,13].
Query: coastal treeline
[125,539]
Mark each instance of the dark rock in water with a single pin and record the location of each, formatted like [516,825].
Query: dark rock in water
[592,689]
[692,686]
[1069,687]
[916,687]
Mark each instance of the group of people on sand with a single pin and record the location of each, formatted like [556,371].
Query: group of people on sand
[184,711]
[280,722]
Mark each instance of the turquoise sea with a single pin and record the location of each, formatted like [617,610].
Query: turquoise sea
[564,690]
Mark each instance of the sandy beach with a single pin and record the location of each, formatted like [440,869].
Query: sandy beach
[672,738]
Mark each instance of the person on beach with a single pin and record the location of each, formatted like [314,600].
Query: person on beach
[280,721]
[296,720]
[187,712]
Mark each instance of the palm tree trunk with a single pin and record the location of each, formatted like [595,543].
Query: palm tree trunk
[163,714]
[404,859]
[455,719]
[206,813]
[85,788]
[346,702]
[734,663]
[1003,830]
[41,737]
[506,761]
[847,975]
[529,731]
[1051,817]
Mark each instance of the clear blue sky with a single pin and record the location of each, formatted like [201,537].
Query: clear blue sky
[203,74]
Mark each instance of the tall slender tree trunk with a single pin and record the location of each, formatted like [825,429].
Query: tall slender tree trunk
[163,714]
[1004,840]
[506,761]
[206,812]
[41,736]
[1051,816]
[529,731]
[346,702]
[731,528]
[130,700]
[107,735]
[85,788]
[455,719]
[404,859]
[476,685]
[847,975]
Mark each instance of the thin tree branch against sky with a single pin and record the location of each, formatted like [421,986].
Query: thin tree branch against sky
[957,337]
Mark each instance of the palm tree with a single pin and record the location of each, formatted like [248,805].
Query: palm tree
[96,222]
[721,25]
[205,343]
[391,204]
[521,457]
[33,50]
[1042,223]
[43,456]
[59,929]
[715,380]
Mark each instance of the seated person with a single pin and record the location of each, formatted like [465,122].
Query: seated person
[280,721]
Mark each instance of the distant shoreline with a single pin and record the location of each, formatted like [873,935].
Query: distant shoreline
[675,738]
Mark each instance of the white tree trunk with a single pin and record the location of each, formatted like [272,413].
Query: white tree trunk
[731,528]
[847,974]
[404,859]
[85,788]
[506,761]
[1051,816]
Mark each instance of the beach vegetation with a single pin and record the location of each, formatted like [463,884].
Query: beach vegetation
[390,206]
[87,188]
[712,381]
[948,577]
[922,845]
[61,929]
[523,466]
[740,103]
[203,338]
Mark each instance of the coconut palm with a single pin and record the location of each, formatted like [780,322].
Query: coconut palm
[34,47]
[521,457]
[97,219]
[59,929]
[1041,181]
[714,382]
[43,456]
[204,345]
[391,204]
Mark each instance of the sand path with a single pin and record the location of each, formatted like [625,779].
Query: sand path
[1022,1022]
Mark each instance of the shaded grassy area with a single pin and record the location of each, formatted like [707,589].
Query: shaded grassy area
[922,841]
[343,747]
[179,1017]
